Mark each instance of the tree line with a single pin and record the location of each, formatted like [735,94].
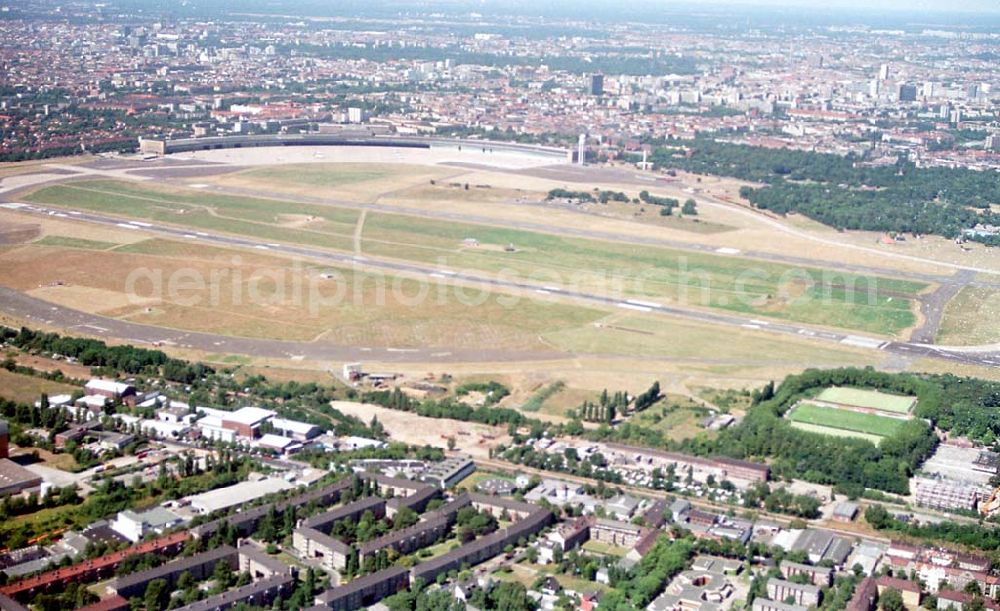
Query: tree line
[844,192]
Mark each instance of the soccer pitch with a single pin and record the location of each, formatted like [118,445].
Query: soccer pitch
[845,420]
[870,399]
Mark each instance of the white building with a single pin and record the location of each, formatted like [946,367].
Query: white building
[299,431]
[135,525]
[237,494]
[211,428]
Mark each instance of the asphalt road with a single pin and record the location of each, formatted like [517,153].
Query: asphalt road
[13,301]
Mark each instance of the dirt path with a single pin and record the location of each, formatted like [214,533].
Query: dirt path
[359,229]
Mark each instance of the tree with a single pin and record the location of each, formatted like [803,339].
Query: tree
[222,575]
[157,595]
[690,207]
[891,600]
[877,516]
[405,517]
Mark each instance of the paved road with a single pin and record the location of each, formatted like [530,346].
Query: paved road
[932,306]
[260,347]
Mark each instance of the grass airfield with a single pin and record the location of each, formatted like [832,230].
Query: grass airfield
[295,202]
[880,306]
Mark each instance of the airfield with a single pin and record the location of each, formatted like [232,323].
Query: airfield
[455,260]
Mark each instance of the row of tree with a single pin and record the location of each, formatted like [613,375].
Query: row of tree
[844,192]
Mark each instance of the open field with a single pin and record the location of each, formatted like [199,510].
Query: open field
[640,335]
[68,242]
[883,306]
[349,181]
[971,318]
[71,370]
[28,389]
[869,399]
[844,420]
[253,295]
[605,549]
[470,437]
[265,219]
[676,416]
[756,230]
[757,288]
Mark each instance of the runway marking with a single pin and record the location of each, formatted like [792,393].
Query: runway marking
[749,326]
[861,342]
[126,226]
[637,308]
[643,304]
[725,250]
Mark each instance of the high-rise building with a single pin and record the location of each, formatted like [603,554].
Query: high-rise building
[883,72]
[596,84]
[356,115]
[581,149]
[907,93]
[972,91]
[874,88]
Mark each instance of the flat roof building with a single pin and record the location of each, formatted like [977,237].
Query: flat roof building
[449,472]
[15,479]
[237,494]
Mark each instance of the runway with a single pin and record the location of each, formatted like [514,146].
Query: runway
[15,302]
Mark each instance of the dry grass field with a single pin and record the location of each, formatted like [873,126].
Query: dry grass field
[253,295]
[971,318]
[761,289]
[472,438]
[641,335]
[28,389]
[619,349]
[346,181]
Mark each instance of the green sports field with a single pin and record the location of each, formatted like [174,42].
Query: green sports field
[870,399]
[845,420]
[826,430]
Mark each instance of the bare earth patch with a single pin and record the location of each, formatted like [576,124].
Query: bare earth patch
[471,438]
